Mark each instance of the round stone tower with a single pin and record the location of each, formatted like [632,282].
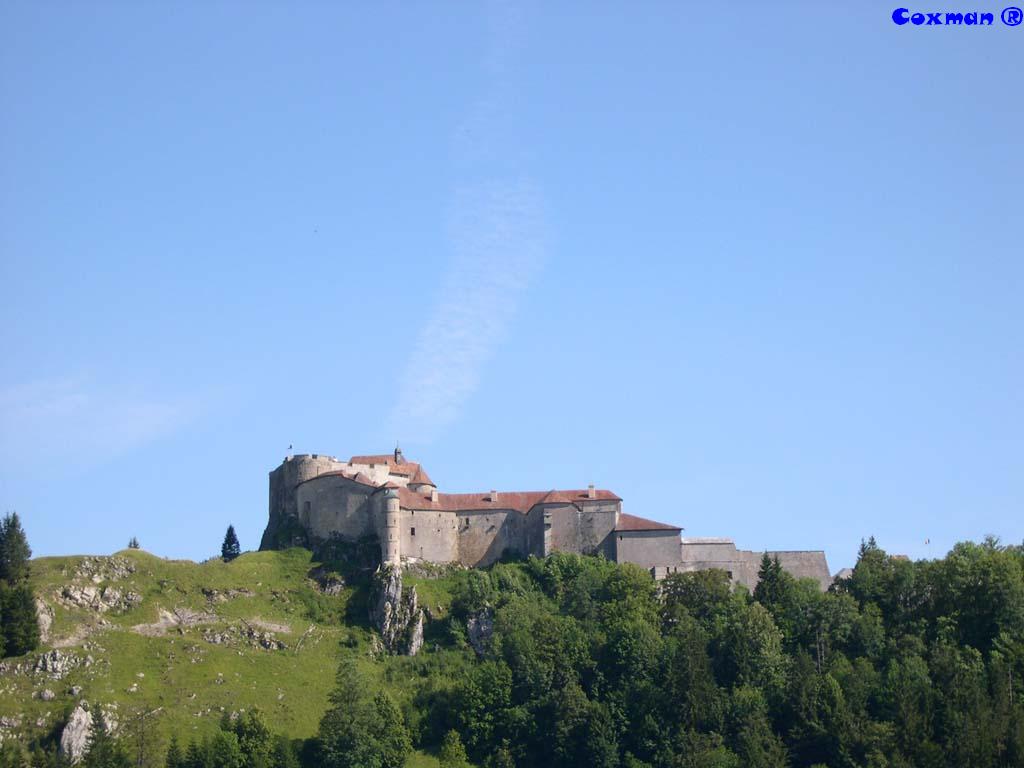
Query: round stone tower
[392,545]
[284,508]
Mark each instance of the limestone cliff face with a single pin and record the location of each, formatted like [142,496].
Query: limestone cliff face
[74,739]
[395,612]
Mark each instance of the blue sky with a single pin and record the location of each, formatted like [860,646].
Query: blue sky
[756,269]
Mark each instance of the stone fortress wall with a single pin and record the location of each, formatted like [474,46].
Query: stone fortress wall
[315,497]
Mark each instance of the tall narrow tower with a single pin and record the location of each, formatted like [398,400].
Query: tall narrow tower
[392,545]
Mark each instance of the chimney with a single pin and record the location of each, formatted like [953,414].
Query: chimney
[494,495]
[591,493]
[433,495]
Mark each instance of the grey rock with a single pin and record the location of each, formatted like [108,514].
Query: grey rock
[396,613]
[248,635]
[480,629]
[98,599]
[47,695]
[328,582]
[100,569]
[74,739]
[56,663]
[217,596]
[44,616]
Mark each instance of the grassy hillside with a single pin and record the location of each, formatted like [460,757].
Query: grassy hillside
[581,661]
[192,641]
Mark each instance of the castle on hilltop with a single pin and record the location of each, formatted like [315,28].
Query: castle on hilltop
[314,498]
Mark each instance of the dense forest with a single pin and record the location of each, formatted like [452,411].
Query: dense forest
[594,664]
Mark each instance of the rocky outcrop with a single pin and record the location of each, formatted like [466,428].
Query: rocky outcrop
[98,599]
[177,620]
[249,635]
[480,629]
[56,664]
[44,617]
[74,739]
[100,569]
[327,581]
[395,613]
[217,596]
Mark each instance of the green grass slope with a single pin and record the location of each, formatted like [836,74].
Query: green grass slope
[191,641]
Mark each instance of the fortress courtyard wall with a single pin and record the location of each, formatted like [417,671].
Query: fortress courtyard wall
[804,564]
[648,549]
[429,535]
[583,529]
[744,565]
[335,505]
[484,535]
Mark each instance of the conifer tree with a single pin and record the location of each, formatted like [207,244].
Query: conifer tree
[392,733]
[13,755]
[133,543]
[502,758]
[14,550]
[254,738]
[195,755]
[774,584]
[452,754]
[360,729]
[283,755]
[103,751]
[19,625]
[175,757]
[230,549]
[224,752]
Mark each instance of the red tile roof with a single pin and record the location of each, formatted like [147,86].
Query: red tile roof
[521,501]
[378,458]
[634,523]
[422,477]
[357,477]
[406,468]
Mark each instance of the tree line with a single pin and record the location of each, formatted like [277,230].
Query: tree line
[592,663]
[902,664]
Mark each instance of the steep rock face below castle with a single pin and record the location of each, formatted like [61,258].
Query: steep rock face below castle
[395,612]
[283,531]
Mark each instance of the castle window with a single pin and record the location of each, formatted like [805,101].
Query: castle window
[307,505]
[414,531]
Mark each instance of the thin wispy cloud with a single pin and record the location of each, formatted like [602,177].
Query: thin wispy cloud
[495,230]
[76,421]
[496,234]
